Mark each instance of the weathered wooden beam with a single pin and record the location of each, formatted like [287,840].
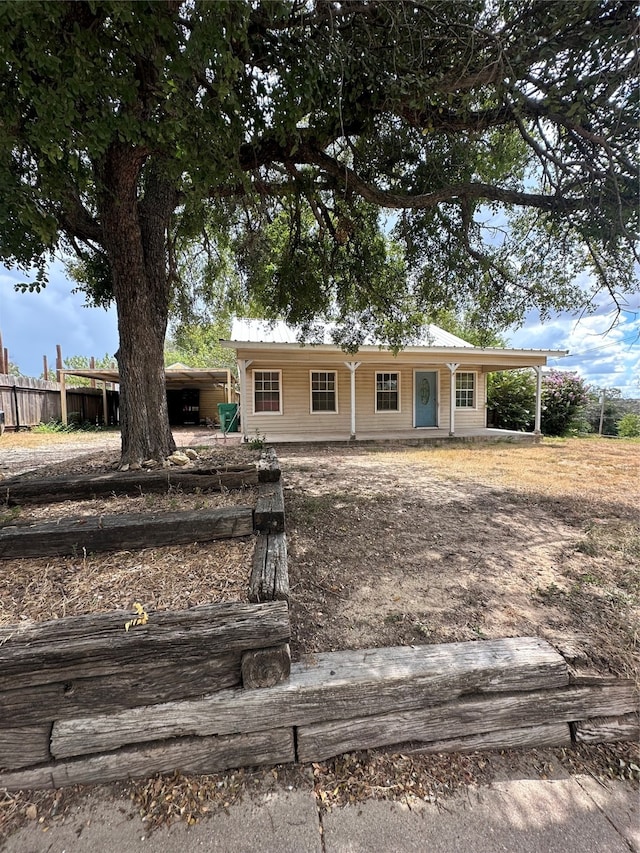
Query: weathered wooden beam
[608,729]
[266,667]
[269,579]
[123,532]
[465,717]
[97,644]
[539,737]
[189,755]
[268,466]
[583,676]
[18,491]
[333,685]
[191,673]
[268,516]
[22,746]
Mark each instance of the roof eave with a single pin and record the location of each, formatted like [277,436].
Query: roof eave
[468,350]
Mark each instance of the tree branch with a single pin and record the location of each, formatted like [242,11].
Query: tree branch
[455,192]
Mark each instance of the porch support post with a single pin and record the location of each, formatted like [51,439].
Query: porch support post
[353,366]
[243,363]
[453,366]
[538,415]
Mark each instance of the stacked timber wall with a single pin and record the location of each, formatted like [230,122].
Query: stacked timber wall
[91,665]
[110,720]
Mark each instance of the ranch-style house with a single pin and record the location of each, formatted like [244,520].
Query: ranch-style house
[290,391]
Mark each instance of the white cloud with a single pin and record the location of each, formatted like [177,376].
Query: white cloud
[603,349]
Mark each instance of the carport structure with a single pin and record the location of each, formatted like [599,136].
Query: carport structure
[192,392]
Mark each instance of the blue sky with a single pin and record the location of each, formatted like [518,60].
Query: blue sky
[33,323]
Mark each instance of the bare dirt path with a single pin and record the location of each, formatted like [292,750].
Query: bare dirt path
[27,451]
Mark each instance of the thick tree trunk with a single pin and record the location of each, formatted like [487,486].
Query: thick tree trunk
[135,221]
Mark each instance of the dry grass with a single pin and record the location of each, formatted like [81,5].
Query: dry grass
[167,578]
[33,440]
[601,468]
[170,578]
[173,501]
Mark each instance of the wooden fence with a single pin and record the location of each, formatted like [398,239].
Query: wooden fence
[27,402]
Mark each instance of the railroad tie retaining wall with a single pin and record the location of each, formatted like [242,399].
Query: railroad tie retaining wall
[486,694]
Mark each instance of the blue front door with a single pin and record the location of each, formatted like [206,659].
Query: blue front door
[426,398]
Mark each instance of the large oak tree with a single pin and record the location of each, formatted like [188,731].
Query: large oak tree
[289,125]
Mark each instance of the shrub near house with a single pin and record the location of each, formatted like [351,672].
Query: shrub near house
[564,396]
[629,425]
[511,400]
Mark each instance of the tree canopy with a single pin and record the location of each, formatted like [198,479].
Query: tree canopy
[494,141]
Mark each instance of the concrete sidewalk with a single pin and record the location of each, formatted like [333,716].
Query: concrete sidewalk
[569,815]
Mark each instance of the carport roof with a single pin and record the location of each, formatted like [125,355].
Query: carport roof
[176,377]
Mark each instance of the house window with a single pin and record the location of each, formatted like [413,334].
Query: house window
[387,392]
[267,391]
[324,396]
[465,390]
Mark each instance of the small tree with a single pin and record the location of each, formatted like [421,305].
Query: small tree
[564,396]
[629,426]
[198,345]
[511,399]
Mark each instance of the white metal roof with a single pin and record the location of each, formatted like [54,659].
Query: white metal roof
[277,332]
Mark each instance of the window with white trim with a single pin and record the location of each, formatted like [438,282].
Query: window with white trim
[387,392]
[324,391]
[465,390]
[267,395]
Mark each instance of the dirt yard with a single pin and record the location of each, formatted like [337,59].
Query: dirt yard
[388,544]
[394,545]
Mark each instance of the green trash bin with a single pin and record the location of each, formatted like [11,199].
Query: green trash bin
[228,414]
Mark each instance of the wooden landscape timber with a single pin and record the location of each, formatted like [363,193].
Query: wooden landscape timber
[268,466]
[269,579]
[123,532]
[269,511]
[98,644]
[466,717]
[21,746]
[332,686]
[266,667]
[132,685]
[19,491]
[460,696]
[608,729]
[190,755]
[538,737]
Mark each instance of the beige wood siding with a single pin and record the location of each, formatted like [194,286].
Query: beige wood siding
[296,416]
[476,417]
[297,419]
[209,399]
